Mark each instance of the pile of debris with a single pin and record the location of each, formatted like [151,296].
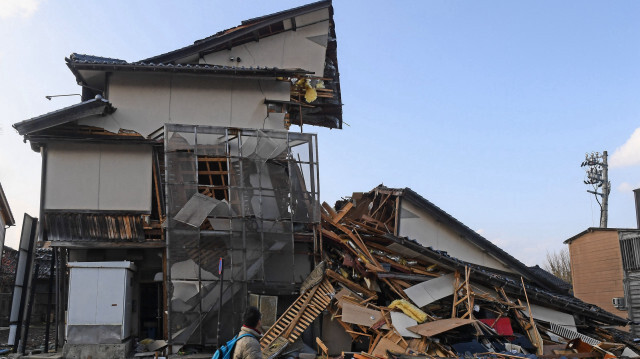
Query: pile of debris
[396,298]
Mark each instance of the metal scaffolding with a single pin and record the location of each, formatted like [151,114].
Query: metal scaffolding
[240,195]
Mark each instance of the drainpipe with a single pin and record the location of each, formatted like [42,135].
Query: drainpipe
[636,193]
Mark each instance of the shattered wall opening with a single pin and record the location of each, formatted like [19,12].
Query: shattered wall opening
[244,196]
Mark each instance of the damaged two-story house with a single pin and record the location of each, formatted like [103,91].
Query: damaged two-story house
[174,164]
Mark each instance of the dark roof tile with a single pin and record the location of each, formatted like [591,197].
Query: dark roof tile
[541,272]
[94,107]
[84,62]
[95,59]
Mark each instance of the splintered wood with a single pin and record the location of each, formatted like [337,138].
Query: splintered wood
[462,295]
[300,314]
[400,301]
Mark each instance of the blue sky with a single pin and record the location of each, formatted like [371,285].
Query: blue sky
[485,108]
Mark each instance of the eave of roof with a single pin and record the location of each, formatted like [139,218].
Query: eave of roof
[5,210]
[93,107]
[247,27]
[76,64]
[541,272]
[597,229]
[472,235]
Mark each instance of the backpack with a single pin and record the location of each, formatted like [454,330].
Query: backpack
[226,350]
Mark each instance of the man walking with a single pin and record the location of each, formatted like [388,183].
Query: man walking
[248,347]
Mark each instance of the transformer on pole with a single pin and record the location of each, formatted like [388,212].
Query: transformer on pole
[598,177]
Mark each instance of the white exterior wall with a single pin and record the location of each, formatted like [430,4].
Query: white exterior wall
[146,101]
[304,48]
[98,177]
[418,225]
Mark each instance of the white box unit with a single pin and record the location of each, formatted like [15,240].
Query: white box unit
[100,302]
[619,303]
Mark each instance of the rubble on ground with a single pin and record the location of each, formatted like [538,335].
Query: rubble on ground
[397,299]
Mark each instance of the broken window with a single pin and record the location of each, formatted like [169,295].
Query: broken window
[213,176]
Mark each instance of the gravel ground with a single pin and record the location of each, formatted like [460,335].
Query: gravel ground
[35,339]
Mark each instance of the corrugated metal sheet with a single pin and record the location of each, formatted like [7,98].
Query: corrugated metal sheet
[94,227]
[572,334]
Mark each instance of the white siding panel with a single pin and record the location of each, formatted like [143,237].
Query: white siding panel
[289,49]
[125,178]
[145,102]
[552,316]
[98,177]
[73,173]
[417,224]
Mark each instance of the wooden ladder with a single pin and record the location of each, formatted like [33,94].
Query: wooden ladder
[300,314]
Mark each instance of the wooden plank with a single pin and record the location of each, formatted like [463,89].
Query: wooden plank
[322,348]
[358,242]
[385,344]
[534,330]
[333,236]
[347,207]
[375,342]
[209,173]
[404,277]
[330,210]
[345,293]
[356,314]
[439,326]
[349,284]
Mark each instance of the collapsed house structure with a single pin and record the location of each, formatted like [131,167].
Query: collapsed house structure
[174,162]
[379,295]
[174,196]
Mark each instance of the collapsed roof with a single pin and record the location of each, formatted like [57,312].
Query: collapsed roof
[394,297]
[384,196]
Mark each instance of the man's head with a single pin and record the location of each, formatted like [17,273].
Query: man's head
[252,317]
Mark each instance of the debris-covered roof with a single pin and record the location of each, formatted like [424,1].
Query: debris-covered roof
[5,210]
[250,30]
[512,285]
[398,299]
[469,234]
[94,107]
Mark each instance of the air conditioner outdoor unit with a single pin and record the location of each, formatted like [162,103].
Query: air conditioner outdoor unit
[619,303]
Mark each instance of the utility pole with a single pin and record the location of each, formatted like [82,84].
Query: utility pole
[598,177]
